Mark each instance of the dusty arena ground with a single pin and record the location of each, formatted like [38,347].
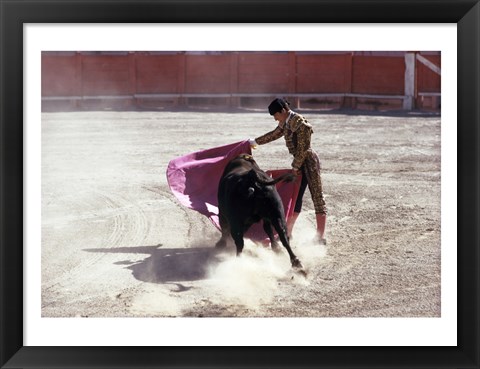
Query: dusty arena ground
[116,243]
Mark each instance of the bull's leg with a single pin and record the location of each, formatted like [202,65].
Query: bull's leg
[267,227]
[222,242]
[281,228]
[237,235]
[238,238]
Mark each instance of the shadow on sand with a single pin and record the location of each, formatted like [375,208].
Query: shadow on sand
[169,265]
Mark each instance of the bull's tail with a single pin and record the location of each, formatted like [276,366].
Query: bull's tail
[287,177]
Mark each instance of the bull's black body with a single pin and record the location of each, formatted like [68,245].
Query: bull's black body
[247,195]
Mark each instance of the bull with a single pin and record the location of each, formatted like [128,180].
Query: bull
[247,195]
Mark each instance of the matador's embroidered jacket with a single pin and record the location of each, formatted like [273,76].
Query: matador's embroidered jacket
[297,132]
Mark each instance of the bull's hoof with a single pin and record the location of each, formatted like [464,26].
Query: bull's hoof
[296,264]
[298,267]
[275,247]
[221,244]
[302,272]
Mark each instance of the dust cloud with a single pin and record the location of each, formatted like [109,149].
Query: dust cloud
[250,281]
[253,279]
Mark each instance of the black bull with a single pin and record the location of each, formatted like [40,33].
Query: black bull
[246,195]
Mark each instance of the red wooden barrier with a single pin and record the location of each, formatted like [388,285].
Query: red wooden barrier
[135,79]
[158,74]
[60,75]
[324,74]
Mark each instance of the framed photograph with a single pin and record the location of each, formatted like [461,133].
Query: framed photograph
[115,291]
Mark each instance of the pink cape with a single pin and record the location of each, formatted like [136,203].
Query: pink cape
[194,179]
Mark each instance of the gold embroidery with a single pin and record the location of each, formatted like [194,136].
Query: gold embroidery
[297,133]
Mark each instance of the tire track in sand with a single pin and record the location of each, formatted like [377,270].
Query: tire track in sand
[129,226]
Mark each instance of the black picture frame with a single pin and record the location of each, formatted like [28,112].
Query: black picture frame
[15,13]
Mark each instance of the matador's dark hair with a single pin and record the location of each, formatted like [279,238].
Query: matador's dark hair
[277,105]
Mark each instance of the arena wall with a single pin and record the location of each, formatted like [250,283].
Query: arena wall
[321,80]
